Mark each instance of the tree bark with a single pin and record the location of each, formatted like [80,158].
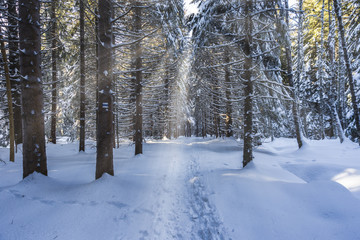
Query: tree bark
[82,78]
[228,120]
[338,13]
[9,99]
[321,73]
[34,153]
[333,109]
[248,87]
[104,156]
[54,72]
[138,84]
[14,68]
[293,94]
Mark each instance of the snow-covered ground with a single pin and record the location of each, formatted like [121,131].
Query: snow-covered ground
[189,188]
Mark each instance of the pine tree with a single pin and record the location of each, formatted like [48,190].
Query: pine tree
[104,155]
[54,54]
[355,108]
[82,78]
[248,88]
[34,153]
[138,124]
[9,100]
[14,67]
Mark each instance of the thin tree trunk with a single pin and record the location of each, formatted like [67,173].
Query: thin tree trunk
[167,130]
[104,156]
[9,99]
[215,110]
[248,87]
[34,152]
[14,68]
[117,118]
[228,120]
[82,78]
[300,50]
[331,39]
[138,84]
[293,95]
[97,65]
[321,71]
[338,13]
[339,129]
[54,72]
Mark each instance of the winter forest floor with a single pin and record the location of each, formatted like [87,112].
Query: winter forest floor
[189,188]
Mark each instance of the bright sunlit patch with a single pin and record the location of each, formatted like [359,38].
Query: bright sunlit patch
[190,8]
[350,179]
[194,179]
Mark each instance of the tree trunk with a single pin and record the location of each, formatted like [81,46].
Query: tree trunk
[228,119]
[167,129]
[300,50]
[248,87]
[215,110]
[293,95]
[138,84]
[54,72]
[331,39]
[97,76]
[339,129]
[14,68]
[34,152]
[9,99]
[82,78]
[321,73]
[338,13]
[104,156]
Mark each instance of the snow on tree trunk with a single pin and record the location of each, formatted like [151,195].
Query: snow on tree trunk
[82,78]
[248,86]
[321,72]
[228,120]
[338,13]
[138,83]
[293,95]
[54,72]
[14,68]
[9,99]
[104,155]
[34,153]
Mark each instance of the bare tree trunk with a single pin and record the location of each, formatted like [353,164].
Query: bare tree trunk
[331,39]
[228,120]
[104,156]
[34,152]
[293,95]
[248,87]
[338,13]
[14,68]
[117,117]
[9,99]
[167,129]
[138,84]
[82,78]
[54,72]
[300,53]
[215,110]
[335,116]
[321,73]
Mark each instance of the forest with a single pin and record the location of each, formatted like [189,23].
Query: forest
[179,119]
[113,70]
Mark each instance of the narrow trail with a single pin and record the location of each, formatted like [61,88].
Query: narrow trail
[181,200]
[206,222]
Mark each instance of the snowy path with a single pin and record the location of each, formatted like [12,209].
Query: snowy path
[180,200]
[189,188]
